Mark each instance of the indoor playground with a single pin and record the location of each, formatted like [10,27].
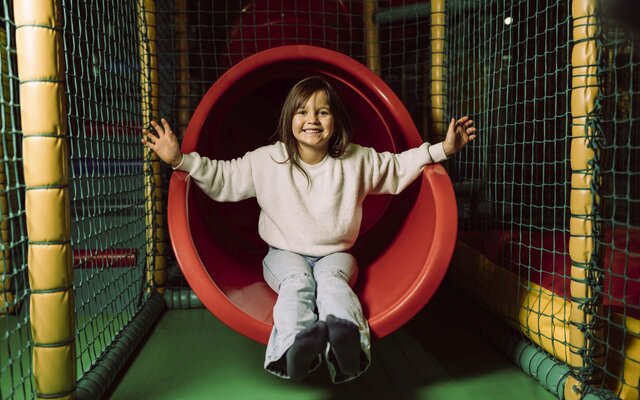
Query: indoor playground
[510,271]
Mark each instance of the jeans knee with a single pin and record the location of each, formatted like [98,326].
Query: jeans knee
[341,266]
[279,266]
[298,282]
[348,275]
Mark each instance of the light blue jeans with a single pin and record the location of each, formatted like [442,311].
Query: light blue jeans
[309,289]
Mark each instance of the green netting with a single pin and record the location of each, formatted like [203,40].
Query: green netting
[106,183]
[618,239]
[15,341]
[404,34]
[508,66]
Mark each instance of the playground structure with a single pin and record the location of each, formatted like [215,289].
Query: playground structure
[548,198]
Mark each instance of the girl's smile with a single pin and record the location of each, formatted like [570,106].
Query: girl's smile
[312,126]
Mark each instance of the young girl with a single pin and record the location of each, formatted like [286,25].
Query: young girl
[310,186]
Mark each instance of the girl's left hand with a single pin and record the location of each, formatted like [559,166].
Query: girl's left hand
[459,134]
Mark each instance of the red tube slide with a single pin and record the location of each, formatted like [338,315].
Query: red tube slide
[405,243]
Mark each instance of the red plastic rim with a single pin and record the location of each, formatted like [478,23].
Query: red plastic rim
[398,274]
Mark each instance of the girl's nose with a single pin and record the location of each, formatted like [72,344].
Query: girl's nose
[311,117]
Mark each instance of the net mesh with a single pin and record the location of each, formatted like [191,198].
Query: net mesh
[508,67]
[106,182]
[618,238]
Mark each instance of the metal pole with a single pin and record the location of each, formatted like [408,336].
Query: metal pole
[438,95]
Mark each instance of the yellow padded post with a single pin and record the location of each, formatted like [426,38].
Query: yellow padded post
[182,71]
[438,99]
[45,152]
[584,92]
[156,269]
[371,43]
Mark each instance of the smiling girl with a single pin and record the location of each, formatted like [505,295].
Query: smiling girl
[310,186]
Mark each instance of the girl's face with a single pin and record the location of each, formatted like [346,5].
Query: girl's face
[312,127]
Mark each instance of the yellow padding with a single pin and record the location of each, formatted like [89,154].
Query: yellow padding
[159,249]
[4,208]
[581,202]
[532,309]
[45,111]
[438,87]
[580,226]
[579,290]
[57,370]
[580,151]
[437,18]
[583,97]
[632,326]
[624,359]
[544,317]
[50,266]
[7,300]
[580,249]
[36,12]
[50,160]
[52,317]
[5,285]
[628,390]
[581,181]
[159,219]
[48,212]
[38,56]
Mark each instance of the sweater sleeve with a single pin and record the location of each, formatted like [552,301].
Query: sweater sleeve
[392,173]
[220,180]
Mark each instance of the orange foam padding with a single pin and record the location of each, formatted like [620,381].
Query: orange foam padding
[406,241]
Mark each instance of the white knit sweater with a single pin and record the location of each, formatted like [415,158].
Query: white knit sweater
[316,217]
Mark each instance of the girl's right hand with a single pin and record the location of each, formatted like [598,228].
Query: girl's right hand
[164,144]
[459,134]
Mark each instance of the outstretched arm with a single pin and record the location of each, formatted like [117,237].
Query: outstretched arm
[459,134]
[164,144]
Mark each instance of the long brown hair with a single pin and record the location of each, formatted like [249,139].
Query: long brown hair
[297,98]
